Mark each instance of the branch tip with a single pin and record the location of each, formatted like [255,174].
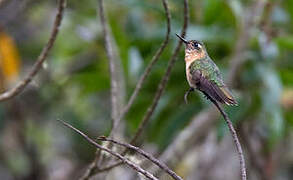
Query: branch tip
[41,58]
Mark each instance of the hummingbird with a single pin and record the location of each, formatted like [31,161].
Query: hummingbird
[203,74]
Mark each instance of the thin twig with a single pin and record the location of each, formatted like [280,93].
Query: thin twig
[146,155]
[164,80]
[155,58]
[92,168]
[115,75]
[110,55]
[123,159]
[234,136]
[38,64]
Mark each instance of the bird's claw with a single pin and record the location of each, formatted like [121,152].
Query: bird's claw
[186,94]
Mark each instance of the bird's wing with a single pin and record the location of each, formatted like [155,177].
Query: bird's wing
[212,89]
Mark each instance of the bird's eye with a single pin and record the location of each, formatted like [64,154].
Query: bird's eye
[196,45]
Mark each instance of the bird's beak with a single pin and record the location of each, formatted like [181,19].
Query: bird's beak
[182,39]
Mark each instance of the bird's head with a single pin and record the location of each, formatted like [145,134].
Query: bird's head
[194,47]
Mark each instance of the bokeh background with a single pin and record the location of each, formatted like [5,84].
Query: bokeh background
[74,86]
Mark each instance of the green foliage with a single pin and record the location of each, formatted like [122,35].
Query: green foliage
[75,85]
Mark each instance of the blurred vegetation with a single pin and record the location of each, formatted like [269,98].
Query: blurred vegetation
[74,84]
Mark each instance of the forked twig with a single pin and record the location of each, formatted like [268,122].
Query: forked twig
[146,155]
[38,64]
[123,159]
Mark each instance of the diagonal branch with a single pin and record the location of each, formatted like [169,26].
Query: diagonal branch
[118,156]
[234,136]
[146,155]
[38,64]
[164,80]
[155,58]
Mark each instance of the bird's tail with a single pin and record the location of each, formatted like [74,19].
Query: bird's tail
[226,96]
[217,93]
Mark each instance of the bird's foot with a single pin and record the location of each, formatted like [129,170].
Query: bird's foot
[206,96]
[187,93]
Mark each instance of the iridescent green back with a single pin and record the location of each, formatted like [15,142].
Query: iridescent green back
[209,70]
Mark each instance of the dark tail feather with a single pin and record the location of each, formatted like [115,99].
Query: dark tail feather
[220,94]
[226,96]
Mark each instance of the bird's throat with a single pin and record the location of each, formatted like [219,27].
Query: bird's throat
[191,56]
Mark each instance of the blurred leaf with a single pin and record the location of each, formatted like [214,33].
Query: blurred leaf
[271,102]
[9,60]
[285,42]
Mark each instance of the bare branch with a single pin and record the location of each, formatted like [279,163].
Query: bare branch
[146,155]
[165,78]
[123,159]
[38,64]
[234,136]
[155,58]
[115,98]
[111,57]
